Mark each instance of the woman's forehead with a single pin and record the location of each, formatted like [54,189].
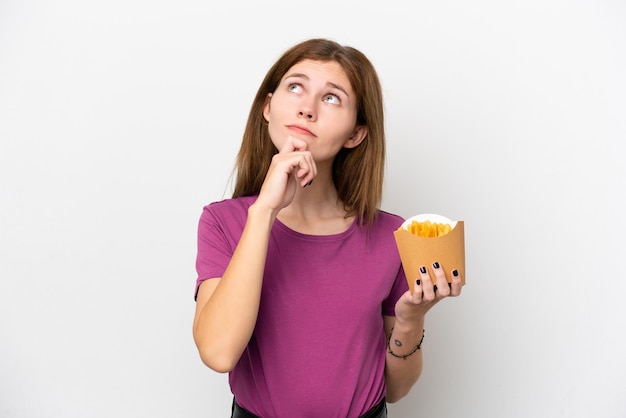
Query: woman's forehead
[331,71]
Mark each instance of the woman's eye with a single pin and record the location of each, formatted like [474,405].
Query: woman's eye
[331,98]
[295,87]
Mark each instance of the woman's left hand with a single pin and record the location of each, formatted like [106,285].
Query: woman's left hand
[413,306]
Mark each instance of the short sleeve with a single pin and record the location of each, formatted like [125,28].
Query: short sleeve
[214,249]
[400,286]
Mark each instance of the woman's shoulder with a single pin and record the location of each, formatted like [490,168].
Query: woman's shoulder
[231,207]
[232,203]
[385,222]
[388,219]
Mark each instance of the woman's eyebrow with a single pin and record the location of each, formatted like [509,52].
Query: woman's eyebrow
[328,83]
[338,87]
[297,75]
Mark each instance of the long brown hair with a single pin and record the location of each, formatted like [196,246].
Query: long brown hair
[357,172]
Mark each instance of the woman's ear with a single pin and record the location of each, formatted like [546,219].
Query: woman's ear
[357,137]
[266,107]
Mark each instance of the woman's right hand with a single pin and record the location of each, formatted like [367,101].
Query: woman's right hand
[292,167]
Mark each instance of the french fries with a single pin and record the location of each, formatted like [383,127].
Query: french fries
[417,249]
[428,229]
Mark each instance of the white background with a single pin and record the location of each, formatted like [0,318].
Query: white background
[119,120]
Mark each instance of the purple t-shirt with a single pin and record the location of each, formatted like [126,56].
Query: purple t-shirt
[318,348]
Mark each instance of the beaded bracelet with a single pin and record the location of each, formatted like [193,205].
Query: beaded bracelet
[419,346]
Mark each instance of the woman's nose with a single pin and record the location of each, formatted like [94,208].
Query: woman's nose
[306,110]
[307,114]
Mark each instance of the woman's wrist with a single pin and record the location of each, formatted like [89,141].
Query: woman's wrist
[261,213]
[405,337]
[409,325]
[398,345]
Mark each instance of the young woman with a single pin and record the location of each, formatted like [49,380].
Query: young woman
[301,295]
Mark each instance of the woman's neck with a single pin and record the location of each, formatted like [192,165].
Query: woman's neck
[316,209]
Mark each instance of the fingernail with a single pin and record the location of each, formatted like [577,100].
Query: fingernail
[436,265]
[423,270]
[455,273]
[418,282]
[309,183]
[434,288]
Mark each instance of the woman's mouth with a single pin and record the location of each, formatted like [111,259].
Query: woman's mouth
[300,130]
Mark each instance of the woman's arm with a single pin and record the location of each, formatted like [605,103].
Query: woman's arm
[402,373]
[227,307]
[406,329]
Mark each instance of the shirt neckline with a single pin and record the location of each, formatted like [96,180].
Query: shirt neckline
[308,237]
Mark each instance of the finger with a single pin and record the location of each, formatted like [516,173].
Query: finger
[308,170]
[456,283]
[304,174]
[427,285]
[297,163]
[418,293]
[293,144]
[303,167]
[294,164]
[441,283]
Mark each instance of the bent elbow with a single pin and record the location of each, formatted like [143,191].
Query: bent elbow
[222,353]
[398,391]
[218,366]
[395,397]
[220,362]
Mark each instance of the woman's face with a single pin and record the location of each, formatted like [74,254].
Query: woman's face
[315,102]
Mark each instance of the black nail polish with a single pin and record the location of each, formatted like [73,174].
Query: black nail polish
[418,282]
[436,265]
[434,288]
[423,270]
[455,273]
